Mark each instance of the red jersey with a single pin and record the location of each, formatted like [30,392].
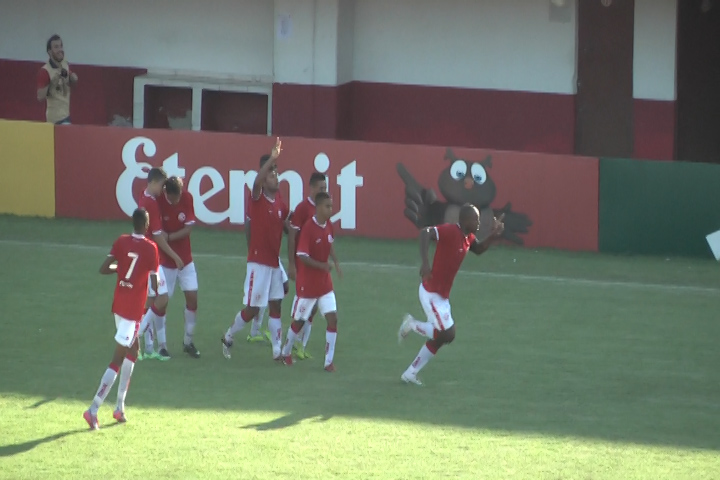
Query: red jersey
[175,218]
[266,230]
[136,257]
[315,241]
[302,213]
[150,204]
[452,246]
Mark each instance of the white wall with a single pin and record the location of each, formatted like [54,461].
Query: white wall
[493,44]
[346,34]
[654,52]
[218,36]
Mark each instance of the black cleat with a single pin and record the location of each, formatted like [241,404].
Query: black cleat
[164,355]
[191,350]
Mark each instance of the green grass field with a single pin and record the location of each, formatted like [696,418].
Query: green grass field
[565,366]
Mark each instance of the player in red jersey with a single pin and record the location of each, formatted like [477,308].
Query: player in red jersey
[178,217]
[453,243]
[155,315]
[302,213]
[134,259]
[263,282]
[314,286]
[256,335]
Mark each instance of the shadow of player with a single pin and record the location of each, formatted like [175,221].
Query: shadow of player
[18,448]
[289,420]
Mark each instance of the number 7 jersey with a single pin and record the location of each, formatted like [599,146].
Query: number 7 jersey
[137,257]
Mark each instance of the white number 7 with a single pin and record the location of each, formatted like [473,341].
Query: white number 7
[134,257]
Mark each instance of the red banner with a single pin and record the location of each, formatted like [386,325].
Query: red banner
[380,190]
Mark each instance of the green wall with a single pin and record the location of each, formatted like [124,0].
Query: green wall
[658,208]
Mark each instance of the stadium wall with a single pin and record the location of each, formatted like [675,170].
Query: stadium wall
[497,75]
[657,208]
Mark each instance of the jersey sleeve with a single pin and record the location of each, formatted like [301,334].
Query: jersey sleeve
[115,250]
[43,79]
[297,219]
[190,217]
[303,245]
[472,238]
[153,210]
[443,230]
[154,263]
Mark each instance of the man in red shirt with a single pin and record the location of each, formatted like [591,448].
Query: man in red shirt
[255,329]
[134,259]
[155,315]
[178,217]
[263,281]
[302,213]
[314,286]
[453,243]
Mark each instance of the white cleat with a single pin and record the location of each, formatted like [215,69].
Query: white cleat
[405,328]
[411,378]
[226,348]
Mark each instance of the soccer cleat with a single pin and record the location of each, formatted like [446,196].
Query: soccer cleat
[287,360]
[277,354]
[405,328]
[151,356]
[256,338]
[119,416]
[267,334]
[226,348]
[411,378]
[330,368]
[91,420]
[191,350]
[163,355]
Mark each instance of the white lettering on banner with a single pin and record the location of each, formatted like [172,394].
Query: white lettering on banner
[348,182]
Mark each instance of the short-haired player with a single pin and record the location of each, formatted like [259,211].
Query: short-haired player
[314,286]
[453,242]
[178,218]
[135,261]
[264,279]
[256,333]
[299,217]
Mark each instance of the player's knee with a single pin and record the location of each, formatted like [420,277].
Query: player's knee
[191,303]
[274,309]
[449,335]
[331,322]
[161,301]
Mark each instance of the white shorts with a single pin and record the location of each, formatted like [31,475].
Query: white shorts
[127,331]
[437,309]
[303,307]
[283,272]
[262,284]
[162,284]
[187,276]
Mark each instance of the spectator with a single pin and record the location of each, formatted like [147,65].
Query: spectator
[54,81]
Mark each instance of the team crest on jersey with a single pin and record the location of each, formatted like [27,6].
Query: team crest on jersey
[279,214]
[181,216]
[330,238]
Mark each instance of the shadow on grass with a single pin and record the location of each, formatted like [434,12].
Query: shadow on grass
[286,421]
[18,448]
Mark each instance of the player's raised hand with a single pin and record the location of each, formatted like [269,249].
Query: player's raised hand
[498,226]
[425,272]
[276,149]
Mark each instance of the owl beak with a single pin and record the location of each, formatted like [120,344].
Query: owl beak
[469,183]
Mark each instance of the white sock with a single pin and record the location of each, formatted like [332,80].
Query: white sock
[291,337]
[146,329]
[306,333]
[330,338]
[125,374]
[275,325]
[257,322]
[149,341]
[420,361]
[106,384]
[189,326]
[237,325]
[160,332]
[426,329]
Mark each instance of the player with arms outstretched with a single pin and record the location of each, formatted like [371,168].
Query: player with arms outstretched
[453,243]
[264,279]
[299,217]
[314,286]
[178,217]
[135,260]
[155,315]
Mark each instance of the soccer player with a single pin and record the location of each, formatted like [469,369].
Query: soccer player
[302,213]
[453,243]
[314,283]
[155,315]
[256,335]
[134,259]
[263,281]
[178,217]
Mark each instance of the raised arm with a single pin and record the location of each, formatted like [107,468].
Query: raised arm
[478,248]
[265,169]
